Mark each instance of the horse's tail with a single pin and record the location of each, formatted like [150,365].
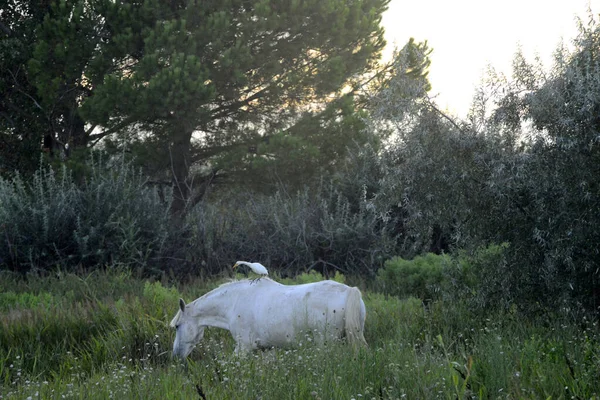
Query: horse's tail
[354,320]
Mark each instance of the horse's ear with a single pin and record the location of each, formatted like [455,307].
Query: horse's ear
[181,305]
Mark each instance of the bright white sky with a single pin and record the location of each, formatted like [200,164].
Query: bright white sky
[468,35]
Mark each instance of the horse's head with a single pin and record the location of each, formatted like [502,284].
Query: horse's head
[188,334]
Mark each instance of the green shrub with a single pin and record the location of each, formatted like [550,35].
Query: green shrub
[480,277]
[421,277]
[37,219]
[312,276]
[11,299]
[113,217]
[160,301]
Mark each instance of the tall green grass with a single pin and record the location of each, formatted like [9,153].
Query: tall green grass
[105,335]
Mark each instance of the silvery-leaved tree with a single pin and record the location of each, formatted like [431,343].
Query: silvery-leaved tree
[551,185]
[436,165]
[523,170]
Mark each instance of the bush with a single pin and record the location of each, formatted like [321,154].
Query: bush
[122,219]
[161,301]
[522,170]
[546,187]
[37,219]
[421,277]
[392,320]
[10,300]
[310,277]
[112,218]
[479,277]
[289,233]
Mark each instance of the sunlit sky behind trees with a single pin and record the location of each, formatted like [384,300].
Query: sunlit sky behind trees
[467,36]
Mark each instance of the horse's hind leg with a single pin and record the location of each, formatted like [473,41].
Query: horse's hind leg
[319,337]
[242,348]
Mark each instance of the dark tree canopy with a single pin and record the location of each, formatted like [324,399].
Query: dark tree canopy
[182,81]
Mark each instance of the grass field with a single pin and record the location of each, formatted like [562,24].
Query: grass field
[106,335]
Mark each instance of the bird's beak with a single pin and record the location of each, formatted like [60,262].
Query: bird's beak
[235,266]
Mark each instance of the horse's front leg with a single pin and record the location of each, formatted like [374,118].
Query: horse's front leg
[242,348]
[243,343]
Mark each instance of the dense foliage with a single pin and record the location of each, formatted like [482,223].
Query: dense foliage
[116,218]
[421,277]
[522,170]
[51,221]
[191,87]
[553,189]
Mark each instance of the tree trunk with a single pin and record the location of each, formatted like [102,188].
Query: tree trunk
[77,137]
[180,167]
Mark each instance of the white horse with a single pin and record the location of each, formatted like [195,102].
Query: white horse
[268,314]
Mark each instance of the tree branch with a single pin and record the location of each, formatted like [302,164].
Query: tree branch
[229,109]
[18,87]
[89,131]
[444,115]
[7,118]
[119,126]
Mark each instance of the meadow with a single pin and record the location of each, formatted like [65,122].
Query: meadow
[105,335]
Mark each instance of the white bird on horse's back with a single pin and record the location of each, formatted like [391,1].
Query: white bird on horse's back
[256,267]
[269,314]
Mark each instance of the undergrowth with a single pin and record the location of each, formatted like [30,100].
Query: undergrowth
[113,216]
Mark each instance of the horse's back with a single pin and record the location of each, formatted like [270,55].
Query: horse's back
[277,314]
[317,294]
